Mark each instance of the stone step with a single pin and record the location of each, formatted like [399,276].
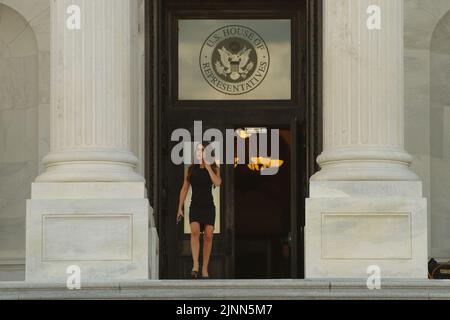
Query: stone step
[232,290]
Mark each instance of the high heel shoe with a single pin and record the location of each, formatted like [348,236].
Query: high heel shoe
[194,274]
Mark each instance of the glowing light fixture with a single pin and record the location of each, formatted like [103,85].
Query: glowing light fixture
[248,132]
[261,163]
[243,134]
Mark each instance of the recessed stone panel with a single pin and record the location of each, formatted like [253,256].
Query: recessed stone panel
[87,238]
[366,236]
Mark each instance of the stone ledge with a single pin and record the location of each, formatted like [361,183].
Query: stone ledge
[232,290]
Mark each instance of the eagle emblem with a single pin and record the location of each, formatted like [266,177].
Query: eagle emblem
[234,60]
[236,66]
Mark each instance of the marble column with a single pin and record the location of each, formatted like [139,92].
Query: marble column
[91,81]
[363,95]
[366,206]
[89,208]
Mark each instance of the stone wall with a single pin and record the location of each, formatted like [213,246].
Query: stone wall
[24,105]
[25,117]
[427,134]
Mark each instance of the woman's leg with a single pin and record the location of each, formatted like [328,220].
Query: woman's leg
[207,246]
[195,244]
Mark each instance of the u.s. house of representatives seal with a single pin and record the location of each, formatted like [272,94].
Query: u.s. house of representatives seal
[234,60]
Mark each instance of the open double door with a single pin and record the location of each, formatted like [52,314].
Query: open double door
[259,218]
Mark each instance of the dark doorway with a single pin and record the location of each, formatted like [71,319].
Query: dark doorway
[262,215]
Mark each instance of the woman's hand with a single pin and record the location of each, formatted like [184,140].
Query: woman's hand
[180,215]
[215,176]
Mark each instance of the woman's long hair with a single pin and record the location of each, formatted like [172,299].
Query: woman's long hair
[195,167]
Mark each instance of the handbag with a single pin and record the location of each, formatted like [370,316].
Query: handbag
[440,271]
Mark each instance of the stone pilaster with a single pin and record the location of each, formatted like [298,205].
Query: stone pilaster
[366,206]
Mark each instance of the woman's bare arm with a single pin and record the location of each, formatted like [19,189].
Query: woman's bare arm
[184,191]
[215,176]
